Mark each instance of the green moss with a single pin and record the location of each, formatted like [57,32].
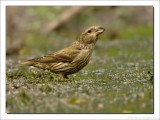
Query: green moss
[24,97]
[45,88]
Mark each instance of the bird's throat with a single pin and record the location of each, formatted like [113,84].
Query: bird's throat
[85,46]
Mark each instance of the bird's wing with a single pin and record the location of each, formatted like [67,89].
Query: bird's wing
[60,56]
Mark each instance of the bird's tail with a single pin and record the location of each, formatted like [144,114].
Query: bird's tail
[27,63]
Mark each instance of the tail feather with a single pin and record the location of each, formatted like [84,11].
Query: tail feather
[27,63]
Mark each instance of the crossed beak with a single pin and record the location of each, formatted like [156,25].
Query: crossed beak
[100,30]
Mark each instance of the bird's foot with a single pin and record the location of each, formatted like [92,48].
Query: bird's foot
[65,76]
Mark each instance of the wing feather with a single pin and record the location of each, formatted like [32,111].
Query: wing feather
[56,57]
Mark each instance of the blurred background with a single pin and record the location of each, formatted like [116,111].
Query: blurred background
[48,27]
[123,57]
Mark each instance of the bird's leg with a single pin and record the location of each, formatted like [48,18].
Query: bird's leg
[65,76]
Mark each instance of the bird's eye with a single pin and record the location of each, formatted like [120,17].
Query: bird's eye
[89,31]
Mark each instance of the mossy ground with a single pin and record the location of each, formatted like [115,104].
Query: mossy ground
[118,79]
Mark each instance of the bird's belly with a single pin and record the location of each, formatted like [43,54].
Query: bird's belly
[73,67]
[70,68]
[78,64]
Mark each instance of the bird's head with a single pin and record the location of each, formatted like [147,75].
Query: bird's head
[90,35]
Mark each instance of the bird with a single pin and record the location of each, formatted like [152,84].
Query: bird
[71,59]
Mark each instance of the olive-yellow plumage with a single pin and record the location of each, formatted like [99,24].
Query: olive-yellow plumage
[71,59]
